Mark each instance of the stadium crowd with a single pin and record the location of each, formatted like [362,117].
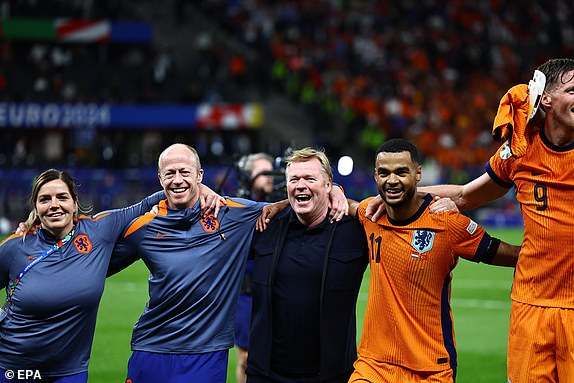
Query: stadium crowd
[430,71]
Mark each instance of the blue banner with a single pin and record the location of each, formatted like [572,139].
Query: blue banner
[32,115]
[54,115]
[131,32]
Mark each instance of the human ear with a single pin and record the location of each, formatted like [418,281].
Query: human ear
[546,100]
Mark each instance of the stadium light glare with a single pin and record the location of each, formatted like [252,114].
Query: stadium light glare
[345,165]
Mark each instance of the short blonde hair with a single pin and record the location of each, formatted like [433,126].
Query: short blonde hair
[308,153]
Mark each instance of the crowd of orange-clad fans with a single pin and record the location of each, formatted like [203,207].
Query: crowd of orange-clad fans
[431,71]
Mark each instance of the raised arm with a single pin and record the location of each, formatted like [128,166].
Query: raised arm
[376,207]
[471,195]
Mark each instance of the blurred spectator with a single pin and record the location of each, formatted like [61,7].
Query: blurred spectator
[404,68]
[430,71]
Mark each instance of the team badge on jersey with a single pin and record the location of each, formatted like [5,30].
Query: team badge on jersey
[472,226]
[209,223]
[423,240]
[83,244]
[505,152]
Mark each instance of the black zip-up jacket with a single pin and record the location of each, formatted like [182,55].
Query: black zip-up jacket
[342,275]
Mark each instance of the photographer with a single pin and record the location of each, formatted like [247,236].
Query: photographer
[256,181]
[256,177]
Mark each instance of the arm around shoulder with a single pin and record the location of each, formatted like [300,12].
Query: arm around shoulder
[471,195]
[123,255]
[353,207]
[269,212]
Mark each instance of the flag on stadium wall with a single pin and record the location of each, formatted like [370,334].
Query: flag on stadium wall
[230,116]
[82,30]
[76,31]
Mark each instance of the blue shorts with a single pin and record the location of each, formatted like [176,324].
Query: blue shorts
[149,367]
[243,321]
[82,377]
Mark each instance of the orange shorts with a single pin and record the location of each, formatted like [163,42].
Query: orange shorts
[369,370]
[540,344]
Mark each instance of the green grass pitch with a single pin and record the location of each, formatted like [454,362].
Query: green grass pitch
[480,301]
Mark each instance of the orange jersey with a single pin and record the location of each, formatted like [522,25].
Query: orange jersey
[544,186]
[408,320]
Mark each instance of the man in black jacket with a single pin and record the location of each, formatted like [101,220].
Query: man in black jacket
[306,280]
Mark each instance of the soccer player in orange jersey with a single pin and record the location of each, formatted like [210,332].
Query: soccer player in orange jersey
[540,339]
[408,333]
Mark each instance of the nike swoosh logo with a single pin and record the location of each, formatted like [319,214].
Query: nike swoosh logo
[31,258]
[159,235]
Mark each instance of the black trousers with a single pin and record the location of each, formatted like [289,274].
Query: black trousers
[275,377]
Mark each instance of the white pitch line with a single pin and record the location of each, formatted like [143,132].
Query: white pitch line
[481,283]
[480,304]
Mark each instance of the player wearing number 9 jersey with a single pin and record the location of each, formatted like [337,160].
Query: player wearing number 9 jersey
[540,340]
[543,303]
[544,183]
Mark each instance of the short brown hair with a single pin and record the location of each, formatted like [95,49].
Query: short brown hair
[45,177]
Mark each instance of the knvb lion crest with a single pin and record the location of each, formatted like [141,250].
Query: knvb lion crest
[423,240]
[83,244]
[209,223]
